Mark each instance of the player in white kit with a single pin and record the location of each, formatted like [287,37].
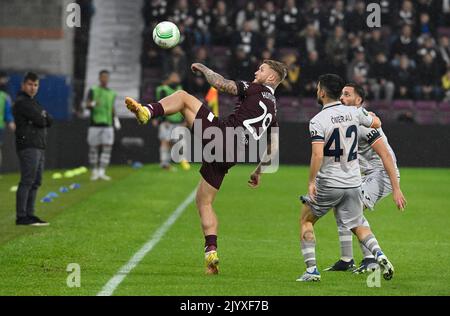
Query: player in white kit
[380,178]
[335,178]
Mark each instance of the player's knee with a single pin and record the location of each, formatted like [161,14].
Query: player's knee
[308,235]
[182,94]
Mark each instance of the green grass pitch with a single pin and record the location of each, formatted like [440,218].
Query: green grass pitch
[103,224]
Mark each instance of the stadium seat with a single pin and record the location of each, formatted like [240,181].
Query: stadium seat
[444,112]
[288,102]
[426,112]
[381,108]
[309,108]
[401,106]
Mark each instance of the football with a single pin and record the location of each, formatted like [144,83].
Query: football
[166,34]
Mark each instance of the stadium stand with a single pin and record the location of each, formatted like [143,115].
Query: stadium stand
[315,25]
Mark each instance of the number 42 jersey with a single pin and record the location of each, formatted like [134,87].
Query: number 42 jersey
[336,126]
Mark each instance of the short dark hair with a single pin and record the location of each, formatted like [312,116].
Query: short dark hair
[32,76]
[104,71]
[359,90]
[332,84]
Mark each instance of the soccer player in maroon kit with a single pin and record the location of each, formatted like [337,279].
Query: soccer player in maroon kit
[255,112]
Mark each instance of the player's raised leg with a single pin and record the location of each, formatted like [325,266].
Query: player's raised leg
[367,238]
[308,245]
[180,101]
[204,199]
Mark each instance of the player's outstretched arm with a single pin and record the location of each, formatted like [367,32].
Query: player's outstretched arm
[255,177]
[397,194]
[216,80]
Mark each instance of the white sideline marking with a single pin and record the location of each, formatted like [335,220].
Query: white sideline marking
[114,282]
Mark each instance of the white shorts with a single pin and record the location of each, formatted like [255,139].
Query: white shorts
[346,203]
[99,135]
[375,187]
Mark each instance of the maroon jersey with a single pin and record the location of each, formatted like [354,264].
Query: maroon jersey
[256,109]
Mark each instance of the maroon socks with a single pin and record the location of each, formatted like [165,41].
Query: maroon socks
[156,109]
[210,243]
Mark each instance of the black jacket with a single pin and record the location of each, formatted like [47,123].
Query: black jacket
[31,123]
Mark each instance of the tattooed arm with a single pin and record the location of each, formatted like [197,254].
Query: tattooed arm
[216,80]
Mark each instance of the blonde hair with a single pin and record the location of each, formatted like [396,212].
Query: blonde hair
[279,67]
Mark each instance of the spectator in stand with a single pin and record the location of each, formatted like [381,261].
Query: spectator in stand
[187,40]
[176,61]
[156,10]
[336,50]
[248,15]
[265,54]
[376,44]
[446,85]
[182,14]
[221,24]
[311,68]
[315,15]
[268,19]
[428,47]
[428,79]
[406,15]
[247,40]
[425,27]
[404,79]
[380,78]
[355,42]
[310,41]
[289,24]
[355,20]
[444,51]
[241,66]
[291,85]
[443,6]
[429,7]
[337,16]
[358,69]
[202,23]
[387,9]
[405,43]
[197,82]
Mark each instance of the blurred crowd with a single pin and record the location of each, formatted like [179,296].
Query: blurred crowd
[408,57]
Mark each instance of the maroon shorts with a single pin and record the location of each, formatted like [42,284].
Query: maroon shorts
[212,172]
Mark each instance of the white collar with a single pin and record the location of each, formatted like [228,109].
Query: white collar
[270,88]
[328,105]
